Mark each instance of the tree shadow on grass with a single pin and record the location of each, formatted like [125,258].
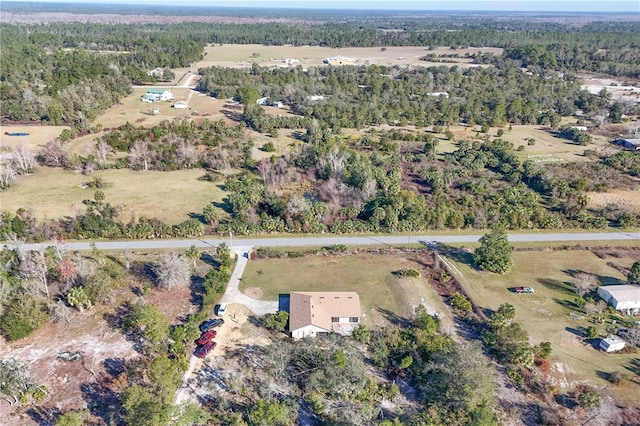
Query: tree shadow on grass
[102,400]
[456,254]
[210,260]
[602,279]
[560,286]
[196,286]
[394,319]
[43,416]
[579,331]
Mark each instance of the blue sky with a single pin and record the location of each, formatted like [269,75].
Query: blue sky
[501,5]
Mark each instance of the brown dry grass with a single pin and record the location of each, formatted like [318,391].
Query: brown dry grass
[625,200]
[240,56]
[38,135]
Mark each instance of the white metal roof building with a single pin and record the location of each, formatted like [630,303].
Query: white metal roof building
[612,344]
[622,297]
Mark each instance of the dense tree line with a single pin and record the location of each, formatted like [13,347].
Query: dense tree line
[363,96]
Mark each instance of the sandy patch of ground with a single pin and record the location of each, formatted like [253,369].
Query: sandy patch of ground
[241,56]
[236,333]
[626,200]
[89,335]
[625,90]
[254,292]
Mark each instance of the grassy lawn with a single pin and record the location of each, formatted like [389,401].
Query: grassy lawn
[369,275]
[169,196]
[545,314]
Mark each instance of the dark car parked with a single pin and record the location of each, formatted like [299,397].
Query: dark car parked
[206,337]
[208,325]
[204,350]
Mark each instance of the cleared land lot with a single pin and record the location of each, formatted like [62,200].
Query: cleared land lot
[546,314]
[54,193]
[38,135]
[369,275]
[243,55]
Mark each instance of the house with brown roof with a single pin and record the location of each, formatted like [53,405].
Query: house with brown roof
[322,312]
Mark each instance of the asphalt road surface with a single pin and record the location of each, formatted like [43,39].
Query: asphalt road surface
[331,240]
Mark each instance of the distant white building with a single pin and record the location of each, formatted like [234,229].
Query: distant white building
[338,60]
[157,72]
[157,95]
[581,128]
[180,105]
[290,61]
[263,101]
[612,344]
[315,98]
[625,298]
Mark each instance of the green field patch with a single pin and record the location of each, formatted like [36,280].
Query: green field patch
[369,275]
[168,196]
[551,313]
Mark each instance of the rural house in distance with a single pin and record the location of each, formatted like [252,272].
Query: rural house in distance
[157,95]
[313,313]
[625,298]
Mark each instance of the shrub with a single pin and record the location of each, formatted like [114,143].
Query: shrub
[269,147]
[592,332]
[460,301]
[409,272]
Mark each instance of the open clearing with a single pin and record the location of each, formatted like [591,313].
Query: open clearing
[545,314]
[243,55]
[625,200]
[55,193]
[369,275]
[38,135]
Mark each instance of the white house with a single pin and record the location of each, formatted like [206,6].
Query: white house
[624,298]
[157,72]
[313,313]
[159,94]
[263,101]
[612,344]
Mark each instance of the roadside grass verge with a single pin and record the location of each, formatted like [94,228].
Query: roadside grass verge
[369,275]
[168,196]
[551,314]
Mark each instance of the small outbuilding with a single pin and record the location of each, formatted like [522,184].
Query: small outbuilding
[612,344]
[625,298]
[180,105]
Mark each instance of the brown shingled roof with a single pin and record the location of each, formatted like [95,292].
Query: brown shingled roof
[318,307]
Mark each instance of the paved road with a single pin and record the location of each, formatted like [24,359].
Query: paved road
[349,241]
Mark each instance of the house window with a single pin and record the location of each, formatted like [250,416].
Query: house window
[354,319]
[335,319]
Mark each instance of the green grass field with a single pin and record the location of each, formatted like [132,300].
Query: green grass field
[169,196]
[545,314]
[369,275]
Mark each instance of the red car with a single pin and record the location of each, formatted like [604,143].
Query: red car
[204,350]
[206,337]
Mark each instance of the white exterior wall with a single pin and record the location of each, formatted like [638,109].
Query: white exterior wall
[615,346]
[166,96]
[634,304]
[307,331]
